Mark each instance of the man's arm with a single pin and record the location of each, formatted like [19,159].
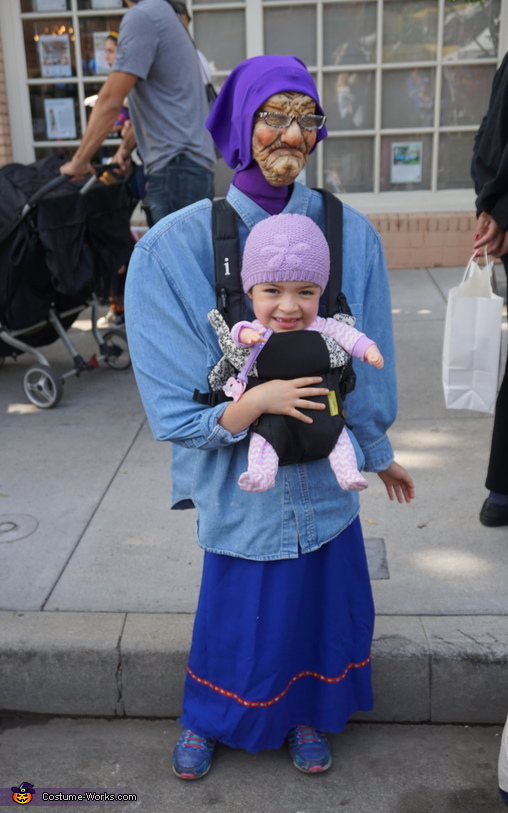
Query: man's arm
[104,114]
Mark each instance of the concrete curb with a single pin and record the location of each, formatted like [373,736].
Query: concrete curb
[451,669]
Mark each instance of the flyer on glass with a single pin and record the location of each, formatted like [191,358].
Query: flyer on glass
[60,119]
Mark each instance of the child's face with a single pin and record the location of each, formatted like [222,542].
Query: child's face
[284,306]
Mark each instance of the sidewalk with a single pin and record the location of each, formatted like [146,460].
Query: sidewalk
[99,580]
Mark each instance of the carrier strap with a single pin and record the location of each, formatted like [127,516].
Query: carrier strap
[228,285]
[333,232]
[226,248]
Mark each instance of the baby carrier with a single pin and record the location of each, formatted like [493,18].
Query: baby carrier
[285,355]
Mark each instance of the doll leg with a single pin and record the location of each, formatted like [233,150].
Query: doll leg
[343,462]
[263,464]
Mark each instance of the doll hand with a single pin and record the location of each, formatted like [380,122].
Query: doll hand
[250,336]
[398,482]
[373,356]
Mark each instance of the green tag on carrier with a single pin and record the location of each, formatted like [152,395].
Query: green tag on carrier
[332,403]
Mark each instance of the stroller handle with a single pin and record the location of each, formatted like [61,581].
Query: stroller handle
[52,184]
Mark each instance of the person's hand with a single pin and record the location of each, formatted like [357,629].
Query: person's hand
[280,397]
[489,235]
[122,158]
[398,482]
[503,246]
[374,357]
[250,336]
[126,127]
[76,169]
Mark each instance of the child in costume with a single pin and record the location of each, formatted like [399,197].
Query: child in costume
[286,265]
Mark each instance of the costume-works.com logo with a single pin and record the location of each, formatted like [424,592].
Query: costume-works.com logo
[23,795]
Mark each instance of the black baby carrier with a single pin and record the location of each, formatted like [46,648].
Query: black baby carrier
[285,355]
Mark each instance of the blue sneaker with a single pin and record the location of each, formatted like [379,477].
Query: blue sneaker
[309,749]
[192,756]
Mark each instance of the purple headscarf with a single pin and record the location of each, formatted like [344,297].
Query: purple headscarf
[247,87]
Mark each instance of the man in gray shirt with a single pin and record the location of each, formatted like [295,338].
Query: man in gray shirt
[157,67]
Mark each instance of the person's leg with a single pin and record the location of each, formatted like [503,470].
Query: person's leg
[495,509]
[179,184]
[344,464]
[263,464]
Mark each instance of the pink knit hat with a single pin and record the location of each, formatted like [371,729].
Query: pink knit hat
[285,248]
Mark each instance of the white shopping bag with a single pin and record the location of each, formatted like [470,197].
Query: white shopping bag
[472,341]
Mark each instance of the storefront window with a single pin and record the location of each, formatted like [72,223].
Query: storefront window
[50,47]
[220,35]
[43,6]
[55,115]
[349,33]
[405,83]
[291,31]
[93,32]
[348,98]
[348,165]
[409,30]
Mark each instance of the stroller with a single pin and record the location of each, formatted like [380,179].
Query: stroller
[61,242]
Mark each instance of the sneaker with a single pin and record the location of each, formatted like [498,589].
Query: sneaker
[309,749]
[192,756]
[113,318]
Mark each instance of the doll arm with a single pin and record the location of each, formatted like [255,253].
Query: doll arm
[247,333]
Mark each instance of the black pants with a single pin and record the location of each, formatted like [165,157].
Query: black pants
[497,474]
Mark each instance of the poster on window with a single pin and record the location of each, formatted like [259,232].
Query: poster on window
[99,41]
[406,163]
[49,5]
[60,121]
[107,4]
[55,55]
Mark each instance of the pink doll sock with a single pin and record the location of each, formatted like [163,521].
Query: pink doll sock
[344,465]
[263,464]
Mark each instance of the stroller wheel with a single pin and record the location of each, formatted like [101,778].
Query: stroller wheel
[43,386]
[117,354]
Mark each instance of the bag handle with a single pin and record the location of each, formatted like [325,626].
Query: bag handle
[468,272]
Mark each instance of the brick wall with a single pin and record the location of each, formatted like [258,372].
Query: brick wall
[426,239]
[5,131]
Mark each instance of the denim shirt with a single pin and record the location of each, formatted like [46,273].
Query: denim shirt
[170,290]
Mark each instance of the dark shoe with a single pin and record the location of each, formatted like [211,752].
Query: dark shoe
[113,318]
[192,757]
[492,515]
[309,749]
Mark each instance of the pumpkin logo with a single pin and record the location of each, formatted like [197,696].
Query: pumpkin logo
[23,795]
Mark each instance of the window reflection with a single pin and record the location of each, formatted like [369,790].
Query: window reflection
[348,164]
[409,30]
[464,93]
[44,6]
[93,33]
[471,30]
[455,151]
[349,33]
[99,4]
[408,98]
[291,31]
[220,35]
[348,99]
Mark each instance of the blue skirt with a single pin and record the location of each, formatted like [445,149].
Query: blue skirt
[281,643]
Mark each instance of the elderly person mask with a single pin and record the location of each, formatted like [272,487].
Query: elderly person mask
[246,132]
